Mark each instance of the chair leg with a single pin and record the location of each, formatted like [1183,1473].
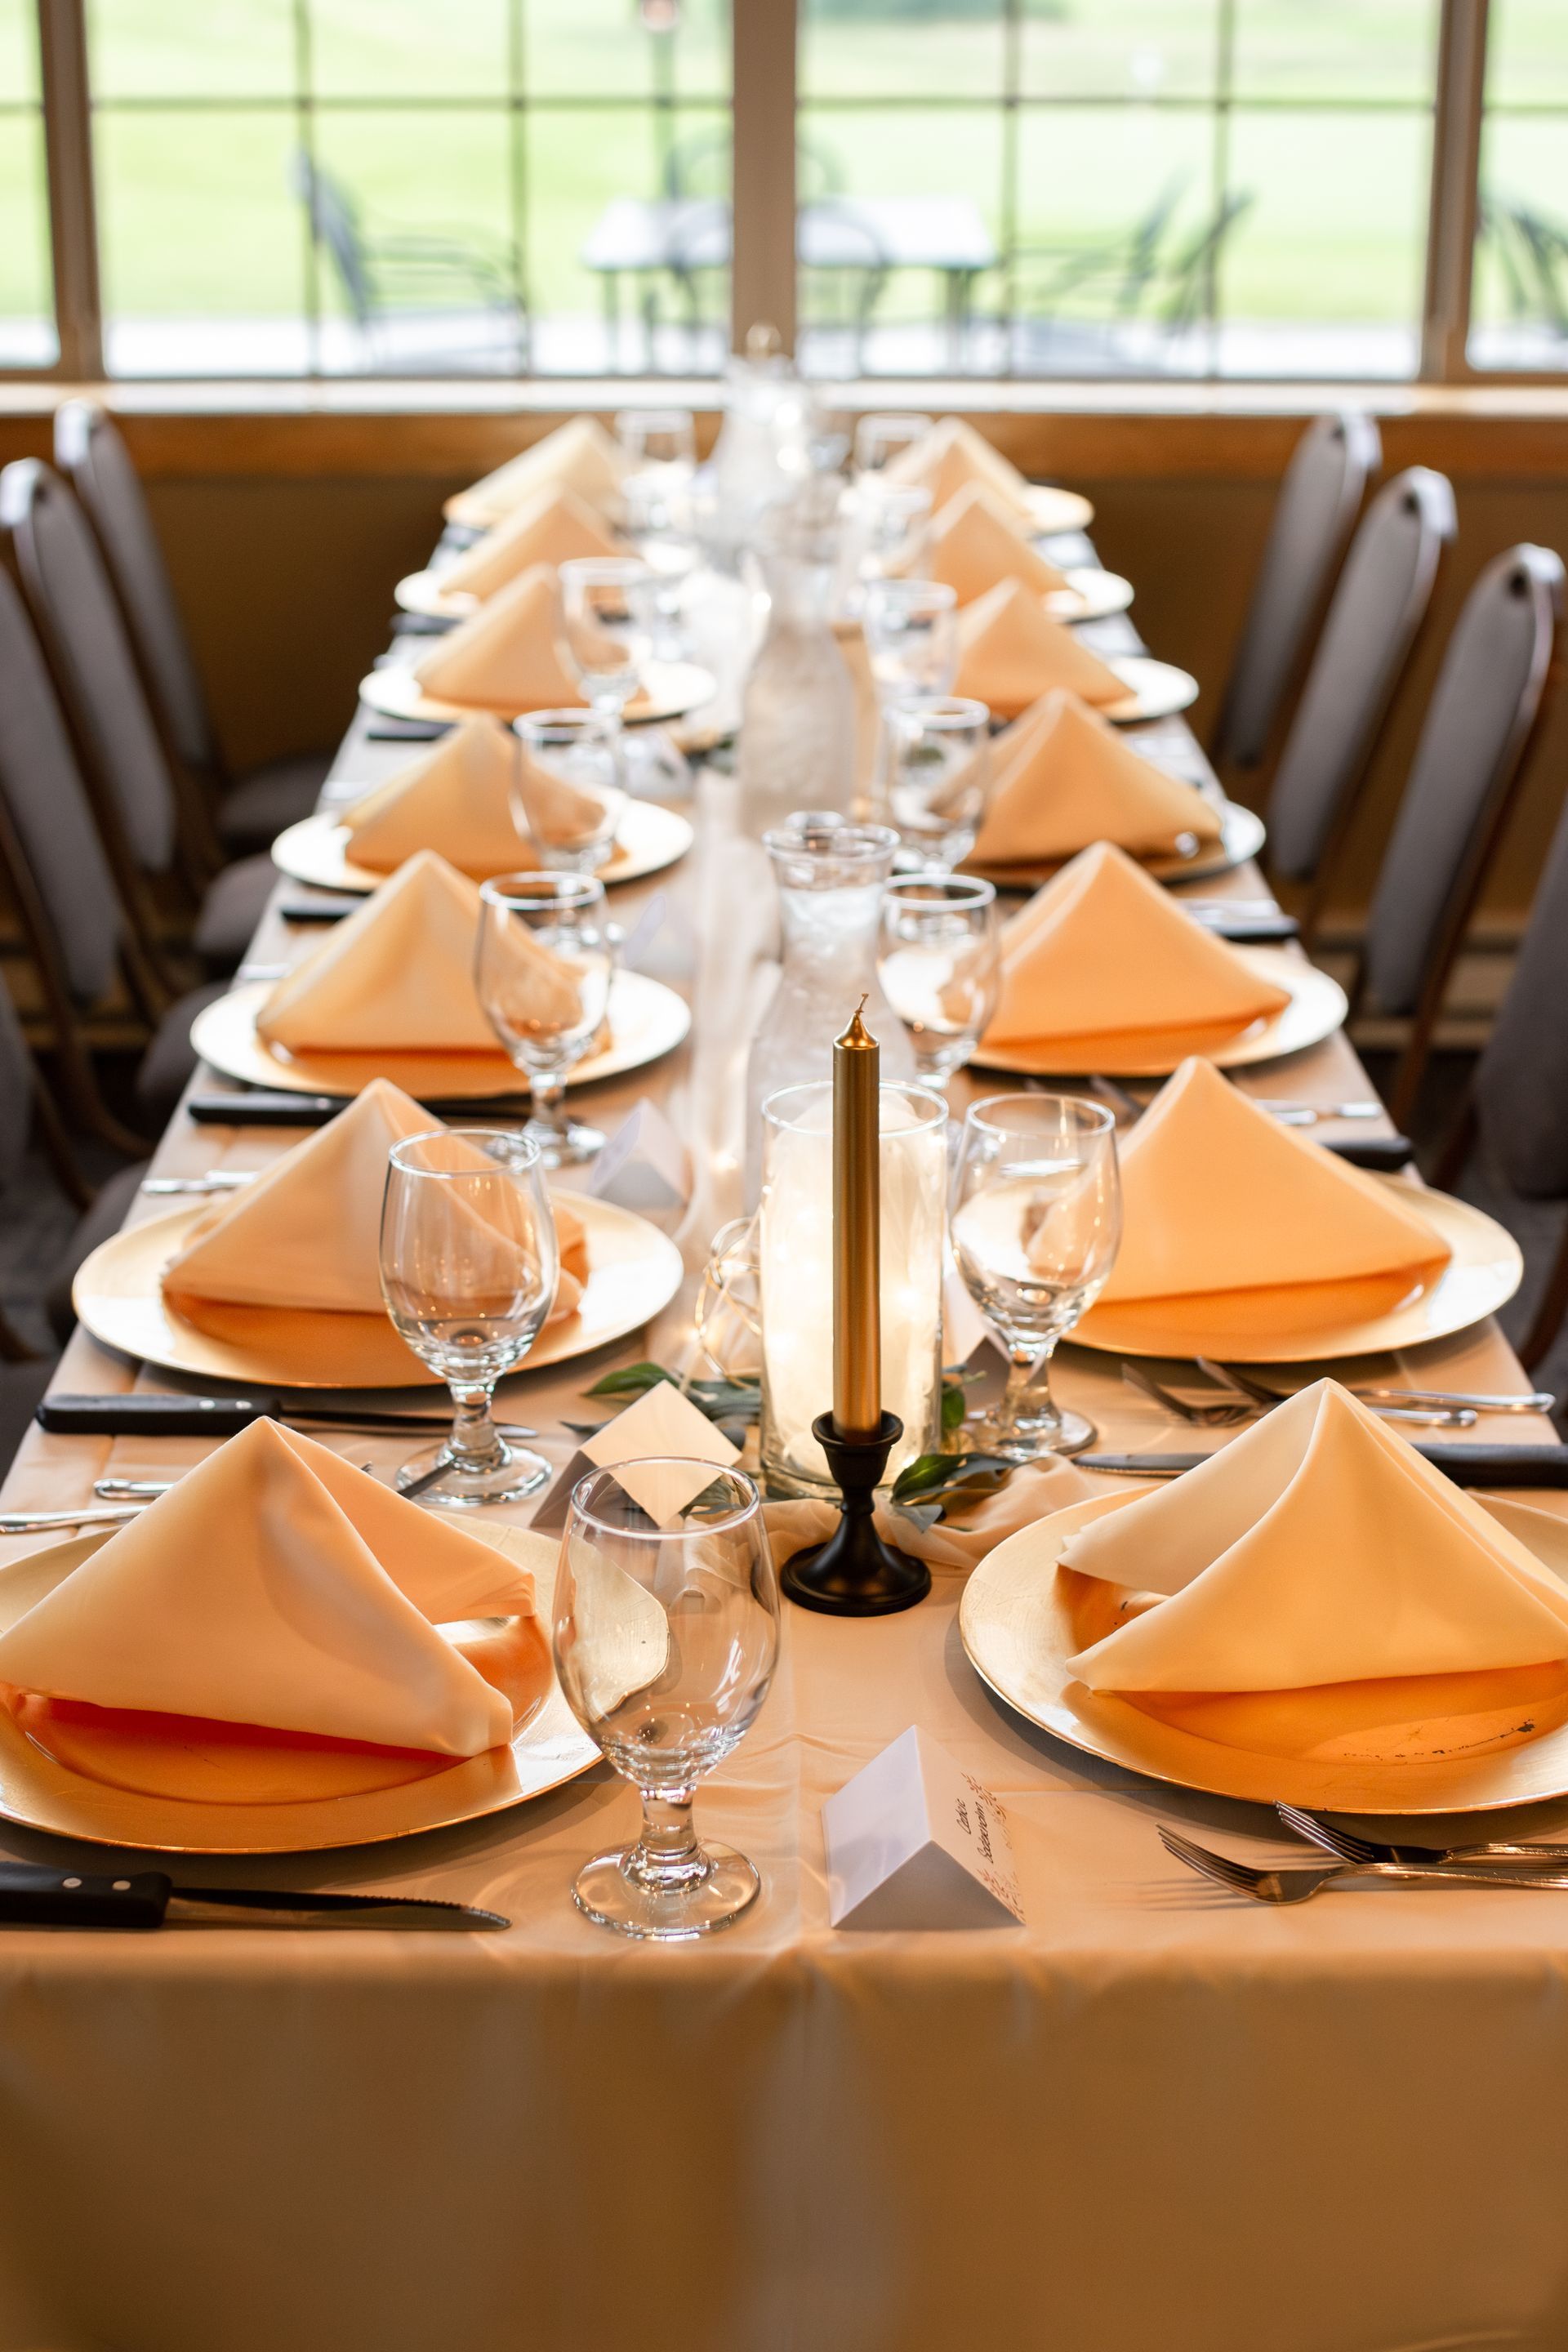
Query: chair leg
[1456,1150]
[13,1349]
[57,1144]
[1548,1316]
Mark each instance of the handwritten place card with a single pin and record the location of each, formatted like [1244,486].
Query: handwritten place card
[644,1164]
[914,1842]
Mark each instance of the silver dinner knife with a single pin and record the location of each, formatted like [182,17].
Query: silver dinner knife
[32,1896]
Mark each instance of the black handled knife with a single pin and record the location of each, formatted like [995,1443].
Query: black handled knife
[1467,1465]
[318,910]
[1387,1153]
[31,1897]
[137,1415]
[262,1108]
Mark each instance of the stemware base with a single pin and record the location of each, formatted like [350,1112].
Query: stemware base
[566,1146]
[609,1891]
[1026,1440]
[518,1471]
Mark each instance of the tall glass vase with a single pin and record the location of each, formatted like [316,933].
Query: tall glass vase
[794,1245]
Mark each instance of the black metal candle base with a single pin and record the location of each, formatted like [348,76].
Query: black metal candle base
[854,1573]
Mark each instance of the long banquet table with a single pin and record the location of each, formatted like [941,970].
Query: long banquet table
[1152,2115]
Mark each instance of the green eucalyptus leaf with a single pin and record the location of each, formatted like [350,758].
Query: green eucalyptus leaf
[632,1379]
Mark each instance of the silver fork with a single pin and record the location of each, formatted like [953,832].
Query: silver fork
[216,1180]
[1424,1416]
[26,1523]
[1351,1848]
[1299,1884]
[1201,1416]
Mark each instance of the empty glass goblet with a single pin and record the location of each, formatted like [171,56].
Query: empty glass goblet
[666,1633]
[936,774]
[567,795]
[468,1266]
[1036,1219]
[543,967]
[657,440]
[939,960]
[607,616]
[883,435]
[911,635]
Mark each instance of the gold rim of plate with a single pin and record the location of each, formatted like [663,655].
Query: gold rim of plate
[634,1271]
[1242,835]
[1316,1008]
[1091,595]
[1017,1620]
[316,850]
[40,1793]
[1484,1271]
[669,690]
[1052,510]
[647,1021]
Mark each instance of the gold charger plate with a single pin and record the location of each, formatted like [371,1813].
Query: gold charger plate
[40,1791]
[316,850]
[1241,838]
[1051,510]
[1419,1744]
[647,1019]
[669,690]
[1316,1008]
[1266,1326]
[1091,595]
[633,1270]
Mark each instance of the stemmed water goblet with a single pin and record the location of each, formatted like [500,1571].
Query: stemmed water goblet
[936,774]
[573,828]
[1036,1219]
[884,436]
[468,1266]
[666,1631]
[911,636]
[543,967]
[938,961]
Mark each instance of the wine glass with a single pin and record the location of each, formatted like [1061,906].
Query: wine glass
[567,796]
[884,436]
[911,635]
[656,441]
[543,971]
[666,1633]
[939,960]
[1036,1224]
[936,769]
[468,1266]
[606,626]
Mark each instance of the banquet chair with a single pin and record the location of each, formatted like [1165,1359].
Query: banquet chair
[251,810]
[1481,723]
[1373,619]
[1516,1107]
[149,814]
[69,912]
[1314,514]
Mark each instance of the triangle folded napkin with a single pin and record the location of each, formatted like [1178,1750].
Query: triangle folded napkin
[504,657]
[457,799]
[1217,1196]
[579,456]
[950,456]
[397,975]
[1316,1547]
[306,1232]
[1067,779]
[276,1585]
[1010,652]
[551,528]
[976,541]
[1101,952]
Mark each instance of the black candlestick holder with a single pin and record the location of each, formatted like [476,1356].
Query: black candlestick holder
[854,1573]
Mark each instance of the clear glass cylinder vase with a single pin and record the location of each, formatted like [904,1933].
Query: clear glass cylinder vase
[795,1248]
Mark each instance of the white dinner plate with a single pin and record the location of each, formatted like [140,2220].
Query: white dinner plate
[316,850]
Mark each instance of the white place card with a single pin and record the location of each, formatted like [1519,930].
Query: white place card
[661,1422]
[914,1842]
[963,1327]
[644,1164]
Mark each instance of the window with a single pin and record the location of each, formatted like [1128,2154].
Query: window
[1247,189]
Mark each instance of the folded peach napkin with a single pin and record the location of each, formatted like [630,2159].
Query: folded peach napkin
[1217,1196]
[580,455]
[1316,1547]
[276,1585]
[1072,780]
[306,1231]
[397,975]
[976,541]
[505,657]
[950,456]
[552,527]
[1102,951]
[1010,652]
[456,798]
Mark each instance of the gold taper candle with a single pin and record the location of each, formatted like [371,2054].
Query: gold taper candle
[857,1232]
